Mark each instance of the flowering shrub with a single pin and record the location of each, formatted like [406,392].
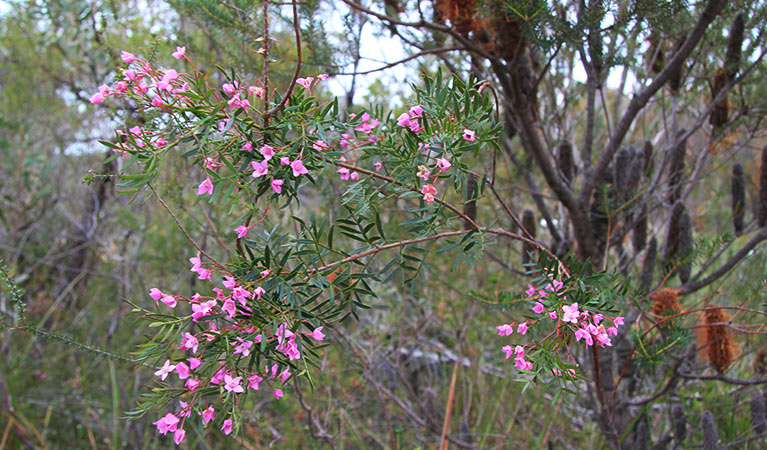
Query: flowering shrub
[260,320]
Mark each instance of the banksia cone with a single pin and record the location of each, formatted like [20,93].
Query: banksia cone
[566,161]
[626,176]
[528,221]
[647,151]
[676,167]
[680,423]
[719,115]
[665,302]
[470,207]
[461,14]
[674,231]
[732,58]
[648,266]
[758,414]
[675,79]
[715,343]
[710,435]
[685,246]
[738,190]
[763,189]
[760,362]
[642,436]
[639,237]
[656,53]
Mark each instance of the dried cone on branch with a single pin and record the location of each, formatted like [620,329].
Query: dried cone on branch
[461,14]
[714,341]
[760,362]
[710,435]
[565,160]
[665,303]
[719,114]
[676,167]
[734,45]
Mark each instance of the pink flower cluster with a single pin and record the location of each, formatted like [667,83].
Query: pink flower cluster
[410,119]
[234,300]
[551,302]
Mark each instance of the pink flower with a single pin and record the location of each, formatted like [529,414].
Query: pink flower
[505,330]
[179,53]
[206,187]
[468,134]
[256,91]
[277,185]
[196,263]
[156,294]
[553,315]
[322,76]
[230,88]
[284,161]
[227,427]
[183,370]
[378,165]
[403,120]
[167,423]
[165,370]
[259,169]
[570,313]
[508,350]
[127,57]
[354,176]
[278,393]
[97,98]
[189,342]
[423,172]
[267,151]
[242,231]
[258,292]
[243,347]
[305,82]
[612,331]
[428,192]
[161,143]
[538,308]
[157,101]
[530,290]
[522,328]
[208,415]
[253,382]
[192,384]
[344,172]
[416,111]
[443,164]
[229,307]
[597,318]
[580,333]
[298,168]
[618,321]
[317,334]
[169,300]
[194,363]
[233,384]
[415,127]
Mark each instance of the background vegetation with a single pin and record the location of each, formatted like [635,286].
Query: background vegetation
[633,138]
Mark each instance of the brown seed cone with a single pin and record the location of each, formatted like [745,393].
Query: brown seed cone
[719,115]
[676,168]
[674,231]
[565,160]
[760,362]
[738,191]
[528,222]
[647,151]
[710,435]
[648,266]
[656,53]
[715,343]
[462,14]
[623,177]
[763,189]
[665,303]
[639,236]
[758,414]
[732,58]
[675,79]
[679,419]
